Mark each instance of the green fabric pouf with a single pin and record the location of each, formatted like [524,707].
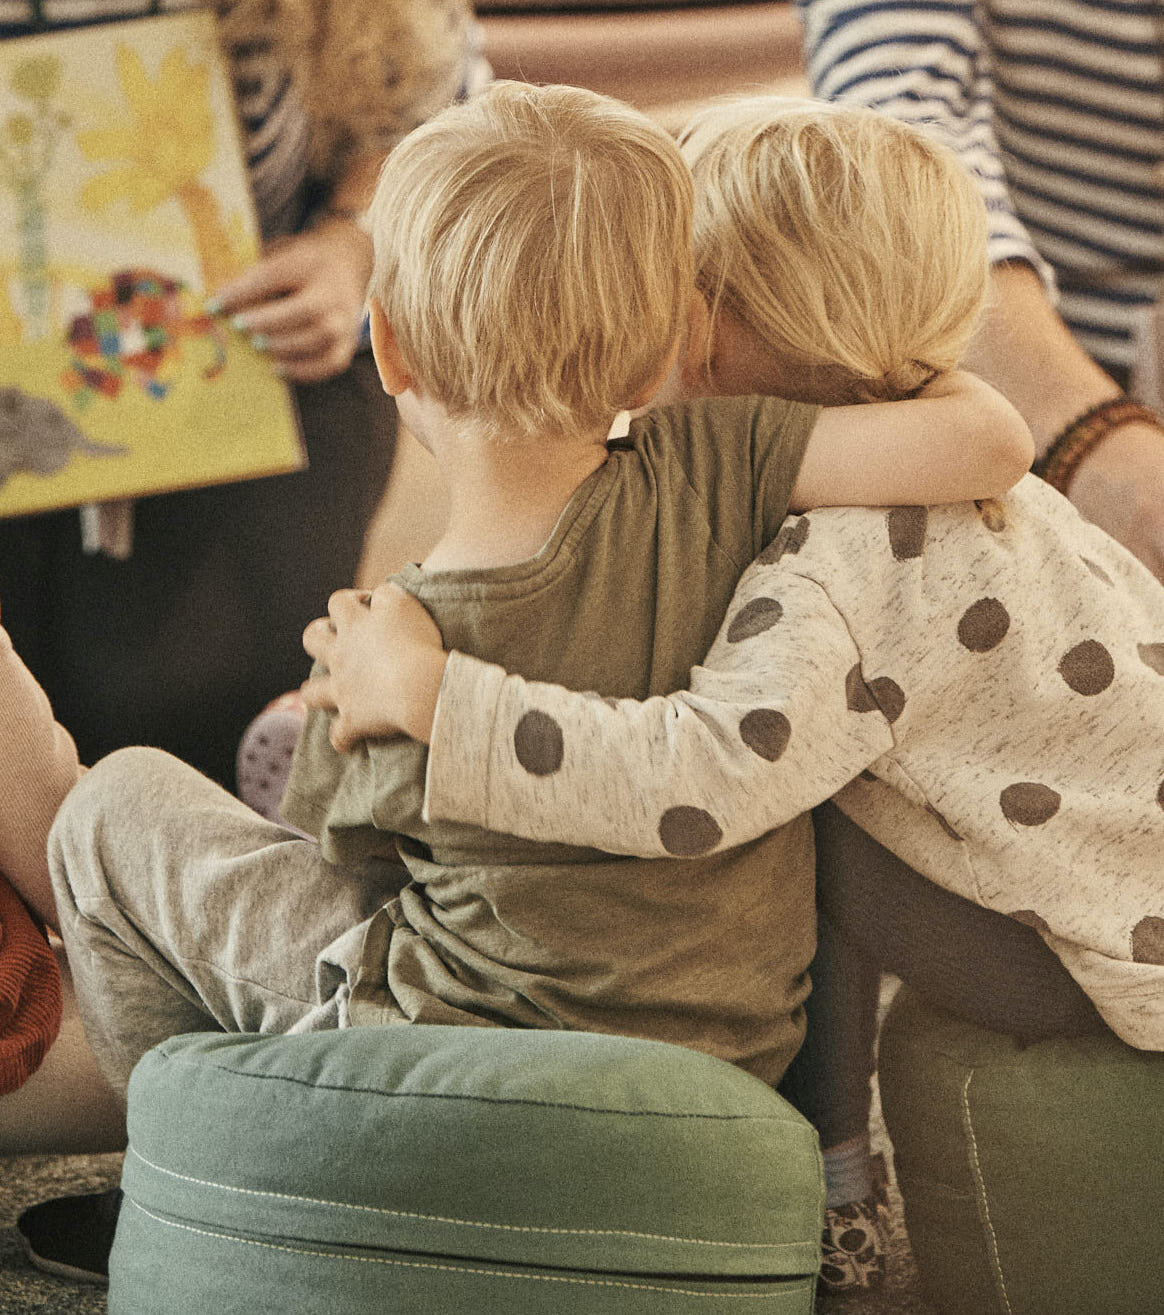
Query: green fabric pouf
[448,1170]
[1033,1178]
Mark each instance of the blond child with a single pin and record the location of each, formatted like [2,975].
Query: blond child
[981,683]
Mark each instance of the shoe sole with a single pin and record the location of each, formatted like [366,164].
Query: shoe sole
[60,1270]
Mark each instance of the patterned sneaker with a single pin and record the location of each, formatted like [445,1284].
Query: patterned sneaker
[264,756]
[854,1242]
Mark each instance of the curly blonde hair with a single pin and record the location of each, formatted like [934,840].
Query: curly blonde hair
[848,242]
[366,71]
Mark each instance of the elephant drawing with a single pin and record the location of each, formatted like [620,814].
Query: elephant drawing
[37,437]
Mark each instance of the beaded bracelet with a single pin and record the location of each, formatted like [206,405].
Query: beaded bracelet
[1074,441]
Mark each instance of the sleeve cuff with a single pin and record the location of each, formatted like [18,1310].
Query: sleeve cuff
[456,785]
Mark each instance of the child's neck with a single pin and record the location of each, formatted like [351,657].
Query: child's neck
[506,496]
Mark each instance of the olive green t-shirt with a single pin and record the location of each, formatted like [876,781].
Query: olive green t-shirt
[624,598]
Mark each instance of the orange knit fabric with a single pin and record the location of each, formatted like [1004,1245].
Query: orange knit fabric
[30,992]
[38,767]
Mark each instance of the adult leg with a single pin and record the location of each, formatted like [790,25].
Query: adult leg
[181,645]
[182,910]
[66,1107]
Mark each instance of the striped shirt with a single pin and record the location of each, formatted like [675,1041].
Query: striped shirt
[275,128]
[1058,108]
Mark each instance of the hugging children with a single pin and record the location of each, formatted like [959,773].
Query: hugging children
[979,682]
[533,278]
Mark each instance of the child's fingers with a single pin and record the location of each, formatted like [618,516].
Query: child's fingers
[345,604]
[317,693]
[342,741]
[318,637]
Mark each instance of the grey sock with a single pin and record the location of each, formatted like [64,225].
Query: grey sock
[848,1173]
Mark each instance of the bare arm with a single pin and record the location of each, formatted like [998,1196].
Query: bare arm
[959,440]
[1026,350]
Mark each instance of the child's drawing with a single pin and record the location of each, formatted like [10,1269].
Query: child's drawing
[37,437]
[31,134]
[124,203]
[134,327]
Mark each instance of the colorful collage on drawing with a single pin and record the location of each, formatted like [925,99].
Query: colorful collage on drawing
[123,204]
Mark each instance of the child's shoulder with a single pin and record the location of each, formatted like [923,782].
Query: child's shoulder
[710,436]
[745,414]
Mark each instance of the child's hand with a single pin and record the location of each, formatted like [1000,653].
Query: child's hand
[384,661]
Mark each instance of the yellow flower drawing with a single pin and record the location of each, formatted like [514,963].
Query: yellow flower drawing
[167,143]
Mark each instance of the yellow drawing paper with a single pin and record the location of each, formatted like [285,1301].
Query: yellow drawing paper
[124,203]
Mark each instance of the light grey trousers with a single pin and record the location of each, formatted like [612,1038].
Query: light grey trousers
[182,910]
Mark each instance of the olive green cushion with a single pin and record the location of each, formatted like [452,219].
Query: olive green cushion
[1033,1178]
[453,1169]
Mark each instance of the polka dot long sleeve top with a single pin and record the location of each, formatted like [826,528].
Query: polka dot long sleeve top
[983,684]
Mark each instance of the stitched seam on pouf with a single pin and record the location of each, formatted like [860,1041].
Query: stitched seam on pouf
[203,1062]
[980,1185]
[469,1223]
[451,1269]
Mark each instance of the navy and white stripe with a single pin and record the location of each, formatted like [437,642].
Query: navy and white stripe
[1056,105]
[276,131]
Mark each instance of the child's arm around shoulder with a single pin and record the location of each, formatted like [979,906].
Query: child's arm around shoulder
[958,440]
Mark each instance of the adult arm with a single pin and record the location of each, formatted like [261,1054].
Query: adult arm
[923,61]
[1026,350]
[778,721]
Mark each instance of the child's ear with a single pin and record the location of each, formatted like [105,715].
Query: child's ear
[394,373]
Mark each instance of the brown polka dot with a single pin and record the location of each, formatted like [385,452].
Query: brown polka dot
[1029,918]
[1152,655]
[688,831]
[766,732]
[907,531]
[993,514]
[537,741]
[889,695]
[1097,571]
[1027,803]
[792,537]
[1087,668]
[946,827]
[983,625]
[858,696]
[753,619]
[878,695]
[1148,941]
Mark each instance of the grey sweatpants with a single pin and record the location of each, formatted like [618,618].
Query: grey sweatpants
[182,910]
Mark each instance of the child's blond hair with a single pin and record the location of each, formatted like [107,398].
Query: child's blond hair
[854,245]
[533,257]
